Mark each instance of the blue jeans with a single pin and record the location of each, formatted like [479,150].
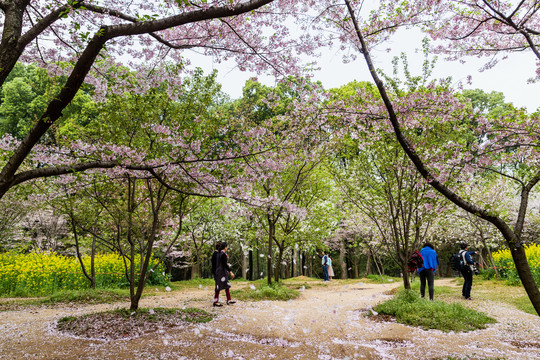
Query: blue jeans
[325,272]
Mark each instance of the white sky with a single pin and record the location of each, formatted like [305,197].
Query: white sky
[508,76]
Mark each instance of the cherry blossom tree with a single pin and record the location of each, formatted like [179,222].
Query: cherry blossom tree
[82,40]
[510,132]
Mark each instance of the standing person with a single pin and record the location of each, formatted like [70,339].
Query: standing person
[324,263]
[428,269]
[214,259]
[466,269]
[330,268]
[223,271]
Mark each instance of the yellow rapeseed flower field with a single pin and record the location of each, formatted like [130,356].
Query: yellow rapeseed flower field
[44,273]
[505,263]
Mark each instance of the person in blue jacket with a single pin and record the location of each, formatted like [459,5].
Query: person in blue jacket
[428,270]
[466,269]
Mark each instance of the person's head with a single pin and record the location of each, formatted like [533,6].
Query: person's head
[224,246]
[429,245]
[218,246]
[463,246]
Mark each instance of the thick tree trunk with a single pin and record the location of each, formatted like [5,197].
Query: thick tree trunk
[405,272]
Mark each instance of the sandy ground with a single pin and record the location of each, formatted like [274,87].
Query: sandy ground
[325,323]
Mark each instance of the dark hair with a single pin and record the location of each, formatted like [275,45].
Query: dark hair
[463,245]
[218,245]
[429,245]
[222,246]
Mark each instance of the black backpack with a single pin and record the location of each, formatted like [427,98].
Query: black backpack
[415,261]
[455,262]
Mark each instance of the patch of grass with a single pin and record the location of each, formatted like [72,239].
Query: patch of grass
[275,291]
[409,309]
[377,279]
[124,323]
[192,315]
[184,284]
[86,296]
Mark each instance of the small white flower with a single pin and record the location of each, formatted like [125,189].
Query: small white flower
[168,288]
[262,255]
[252,287]
[151,312]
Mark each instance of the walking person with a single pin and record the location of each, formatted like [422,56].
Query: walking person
[214,259]
[428,270]
[324,263]
[466,269]
[223,272]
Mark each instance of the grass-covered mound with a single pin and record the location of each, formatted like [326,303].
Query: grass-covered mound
[276,291]
[123,323]
[408,308]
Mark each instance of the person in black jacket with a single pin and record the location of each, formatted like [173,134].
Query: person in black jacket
[214,259]
[223,271]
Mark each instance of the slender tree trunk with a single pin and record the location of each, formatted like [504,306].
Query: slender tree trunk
[251,270]
[368,263]
[244,265]
[271,234]
[342,252]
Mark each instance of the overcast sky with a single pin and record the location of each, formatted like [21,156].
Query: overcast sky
[509,76]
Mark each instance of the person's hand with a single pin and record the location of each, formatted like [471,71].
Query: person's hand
[232,275]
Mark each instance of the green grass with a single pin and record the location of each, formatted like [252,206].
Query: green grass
[275,291]
[86,296]
[409,309]
[378,279]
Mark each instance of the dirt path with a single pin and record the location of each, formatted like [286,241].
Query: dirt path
[324,323]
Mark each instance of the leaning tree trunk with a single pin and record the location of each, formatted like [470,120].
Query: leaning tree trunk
[511,236]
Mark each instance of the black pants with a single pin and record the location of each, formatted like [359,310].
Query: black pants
[429,275]
[467,285]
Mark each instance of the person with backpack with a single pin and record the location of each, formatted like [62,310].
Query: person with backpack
[467,267]
[428,269]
